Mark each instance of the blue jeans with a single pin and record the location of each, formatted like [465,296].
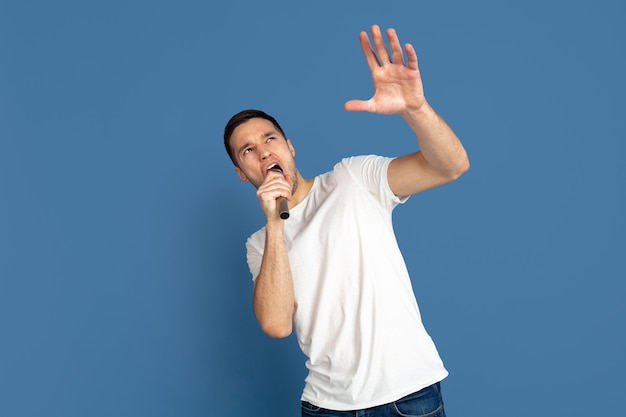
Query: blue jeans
[424,403]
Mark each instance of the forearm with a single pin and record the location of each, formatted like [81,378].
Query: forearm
[440,147]
[273,297]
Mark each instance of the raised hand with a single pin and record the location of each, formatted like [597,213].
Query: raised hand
[397,85]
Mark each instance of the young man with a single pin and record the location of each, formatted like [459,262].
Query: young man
[333,270]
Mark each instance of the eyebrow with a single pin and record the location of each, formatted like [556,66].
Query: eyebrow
[263,136]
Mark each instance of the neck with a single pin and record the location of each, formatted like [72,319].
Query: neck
[303,188]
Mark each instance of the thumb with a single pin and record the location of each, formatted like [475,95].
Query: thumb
[357,105]
[289,180]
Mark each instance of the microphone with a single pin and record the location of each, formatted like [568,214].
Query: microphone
[281,202]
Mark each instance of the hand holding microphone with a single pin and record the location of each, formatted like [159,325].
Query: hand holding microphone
[281,202]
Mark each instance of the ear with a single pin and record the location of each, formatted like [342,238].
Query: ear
[241,175]
[291,148]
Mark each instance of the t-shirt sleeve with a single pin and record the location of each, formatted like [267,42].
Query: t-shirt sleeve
[371,172]
[254,252]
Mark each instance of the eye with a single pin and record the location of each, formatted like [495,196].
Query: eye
[247,151]
[271,138]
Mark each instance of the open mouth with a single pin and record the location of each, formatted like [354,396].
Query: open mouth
[275,167]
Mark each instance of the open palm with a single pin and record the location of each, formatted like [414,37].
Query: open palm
[397,86]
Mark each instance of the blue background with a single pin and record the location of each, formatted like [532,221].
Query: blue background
[123,284]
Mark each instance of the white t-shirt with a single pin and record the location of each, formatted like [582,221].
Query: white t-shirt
[356,316]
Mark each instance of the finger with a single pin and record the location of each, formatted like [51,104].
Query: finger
[276,182]
[370,56]
[379,44]
[272,191]
[394,45]
[284,183]
[411,56]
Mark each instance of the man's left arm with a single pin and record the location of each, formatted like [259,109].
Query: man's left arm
[398,90]
[441,158]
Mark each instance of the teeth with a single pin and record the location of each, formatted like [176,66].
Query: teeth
[274,167]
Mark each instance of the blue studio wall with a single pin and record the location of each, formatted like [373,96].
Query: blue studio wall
[123,284]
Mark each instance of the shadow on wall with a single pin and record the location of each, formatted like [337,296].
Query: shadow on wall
[243,368]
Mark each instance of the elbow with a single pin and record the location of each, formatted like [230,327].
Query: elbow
[464,167]
[276,321]
[277,330]
[460,168]
[277,324]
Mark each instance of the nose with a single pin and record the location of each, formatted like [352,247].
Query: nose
[264,152]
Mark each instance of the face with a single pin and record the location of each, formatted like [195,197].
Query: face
[257,146]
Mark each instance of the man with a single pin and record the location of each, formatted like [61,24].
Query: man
[333,270]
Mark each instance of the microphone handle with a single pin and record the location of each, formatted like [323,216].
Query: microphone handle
[283,208]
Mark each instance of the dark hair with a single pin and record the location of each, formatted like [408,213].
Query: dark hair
[239,119]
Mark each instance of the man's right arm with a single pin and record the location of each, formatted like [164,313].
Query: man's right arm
[273,297]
